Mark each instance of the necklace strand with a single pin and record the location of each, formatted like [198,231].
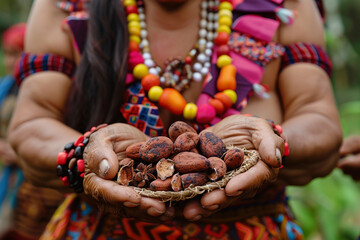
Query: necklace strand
[165,87]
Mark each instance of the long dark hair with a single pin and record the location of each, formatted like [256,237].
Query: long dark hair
[99,85]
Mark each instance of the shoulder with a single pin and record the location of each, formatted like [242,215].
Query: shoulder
[44,31]
[307,27]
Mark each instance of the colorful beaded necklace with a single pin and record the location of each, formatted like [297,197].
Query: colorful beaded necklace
[166,87]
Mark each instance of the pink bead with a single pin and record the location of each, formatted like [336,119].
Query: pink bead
[129,78]
[135,58]
[65,181]
[286,150]
[203,99]
[215,121]
[205,114]
[230,112]
[61,158]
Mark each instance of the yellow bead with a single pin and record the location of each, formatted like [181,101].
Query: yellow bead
[224,28]
[140,71]
[223,60]
[231,94]
[129,2]
[154,93]
[190,111]
[134,24]
[225,12]
[133,17]
[226,5]
[134,31]
[225,20]
[134,38]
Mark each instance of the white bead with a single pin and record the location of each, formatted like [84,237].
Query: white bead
[144,43]
[149,62]
[207,64]
[142,24]
[203,23]
[208,52]
[211,4]
[203,13]
[204,5]
[141,16]
[153,71]
[216,17]
[143,33]
[175,77]
[162,79]
[204,71]
[216,25]
[202,42]
[210,36]
[140,10]
[201,57]
[197,66]
[192,52]
[210,17]
[197,76]
[146,55]
[209,45]
[202,33]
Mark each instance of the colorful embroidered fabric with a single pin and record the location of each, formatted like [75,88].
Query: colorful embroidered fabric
[33,63]
[308,53]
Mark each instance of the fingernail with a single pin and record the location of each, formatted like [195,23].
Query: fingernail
[196,218]
[278,156]
[235,194]
[104,167]
[130,204]
[155,212]
[212,207]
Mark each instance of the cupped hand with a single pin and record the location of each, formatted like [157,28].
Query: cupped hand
[250,133]
[105,149]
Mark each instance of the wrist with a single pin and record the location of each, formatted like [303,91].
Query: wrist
[71,166]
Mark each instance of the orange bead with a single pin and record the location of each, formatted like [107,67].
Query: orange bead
[149,80]
[225,99]
[134,46]
[172,100]
[227,78]
[218,105]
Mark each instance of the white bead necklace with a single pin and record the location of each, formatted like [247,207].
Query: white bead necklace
[200,55]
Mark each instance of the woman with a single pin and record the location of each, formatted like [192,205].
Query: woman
[53,110]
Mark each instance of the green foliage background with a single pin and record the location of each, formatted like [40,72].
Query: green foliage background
[327,208]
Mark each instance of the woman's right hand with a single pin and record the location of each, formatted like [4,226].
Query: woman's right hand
[102,155]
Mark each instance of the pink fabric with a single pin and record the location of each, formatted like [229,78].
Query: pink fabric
[259,27]
[277,1]
[230,112]
[248,69]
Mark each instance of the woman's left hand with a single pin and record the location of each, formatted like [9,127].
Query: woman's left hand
[250,133]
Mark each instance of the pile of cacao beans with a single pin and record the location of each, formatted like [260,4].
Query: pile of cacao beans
[184,159]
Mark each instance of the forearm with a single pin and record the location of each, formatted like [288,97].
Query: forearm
[314,141]
[37,143]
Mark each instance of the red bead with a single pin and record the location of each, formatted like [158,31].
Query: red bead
[131,9]
[92,129]
[286,149]
[80,165]
[65,181]
[81,144]
[279,128]
[87,134]
[79,140]
[61,158]
[221,38]
[267,88]
[82,175]
[188,60]
[223,49]
[70,154]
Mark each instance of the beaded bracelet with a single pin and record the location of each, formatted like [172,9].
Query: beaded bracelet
[71,167]
[278,131]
